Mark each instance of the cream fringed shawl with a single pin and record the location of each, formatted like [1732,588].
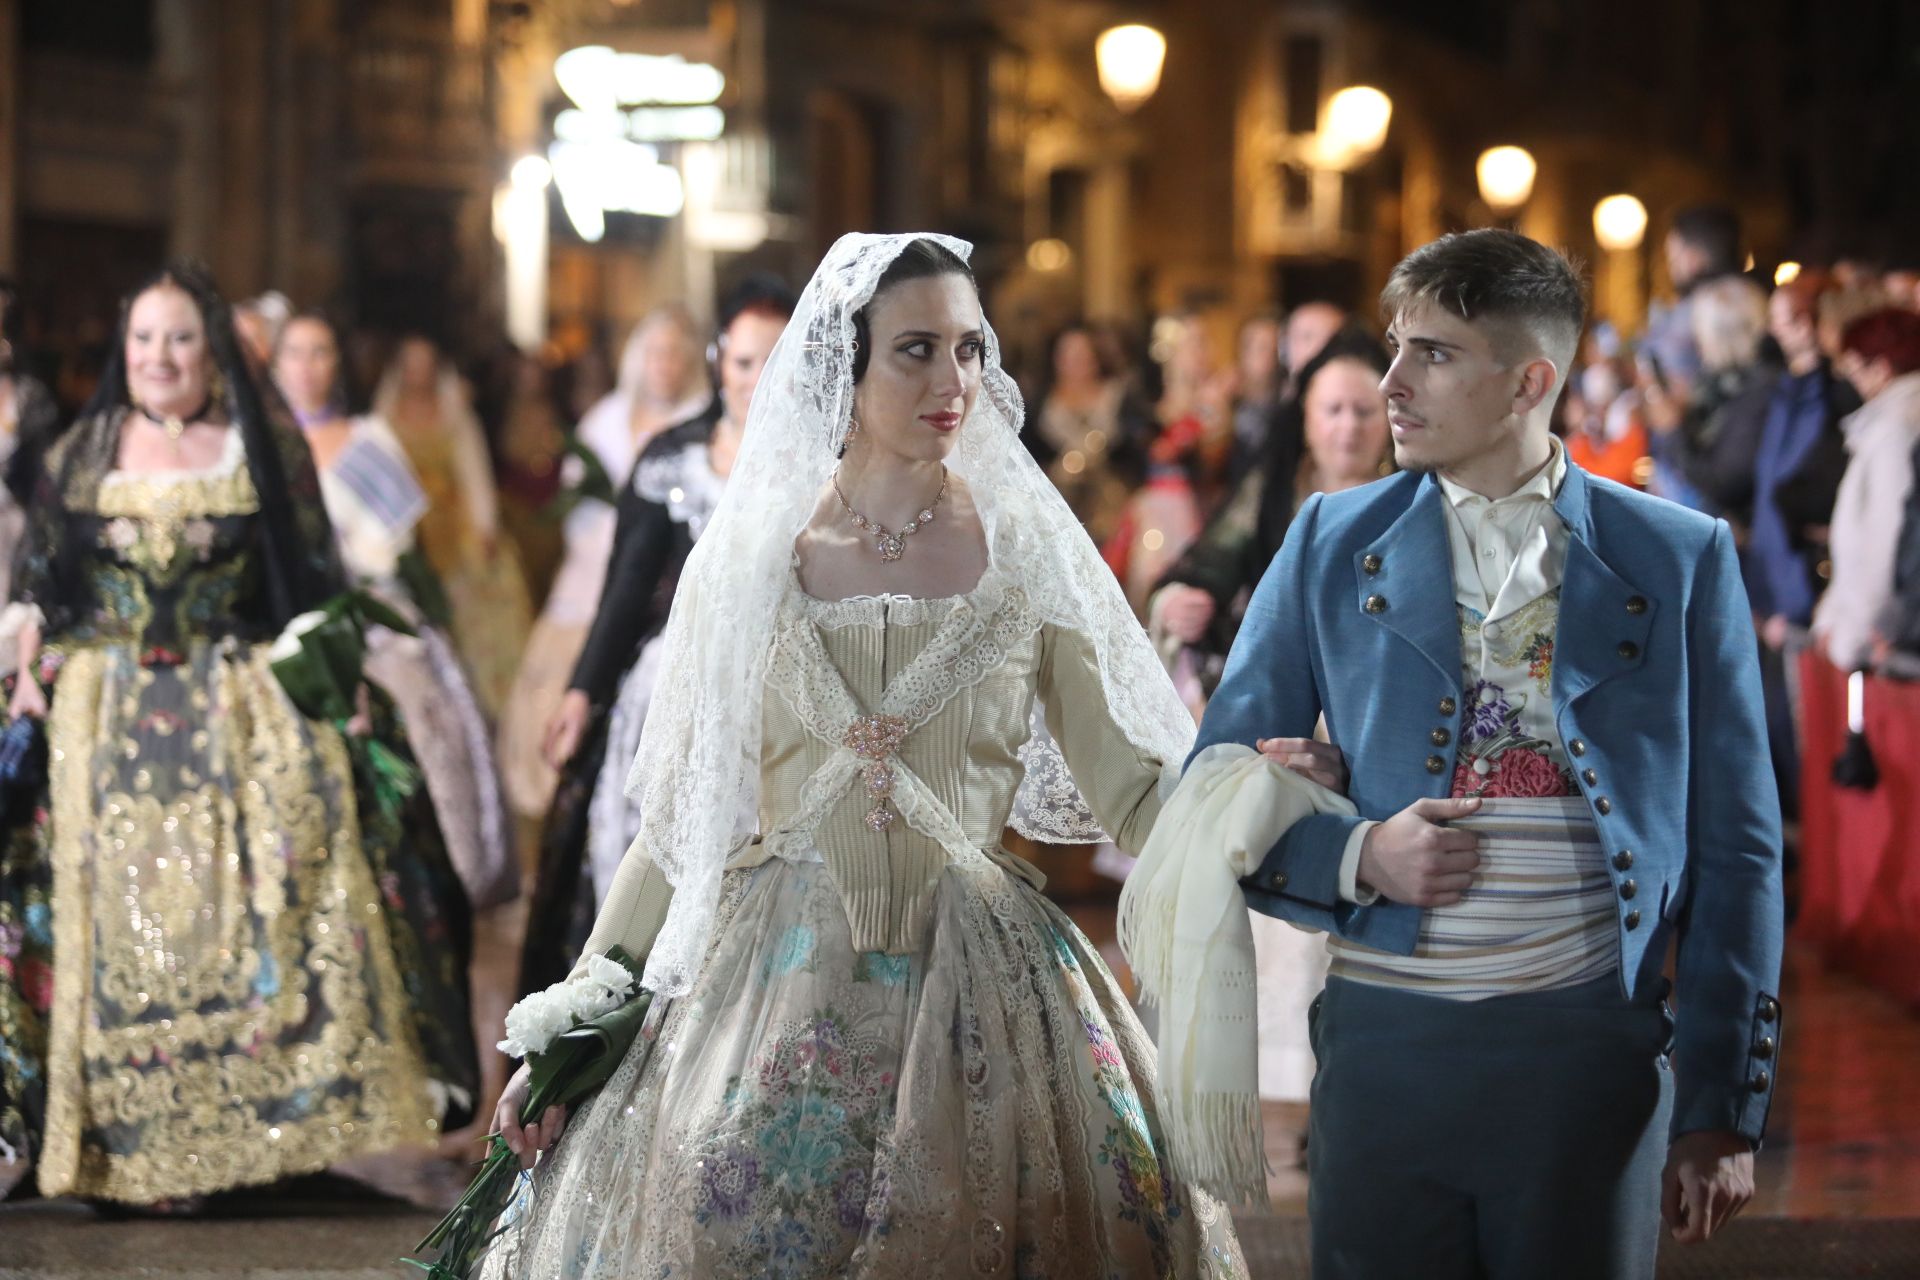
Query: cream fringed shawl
[1184,929]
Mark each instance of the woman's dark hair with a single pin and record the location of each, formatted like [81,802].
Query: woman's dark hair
[920,260]
[1101,357]
[760,294]
[1287,438]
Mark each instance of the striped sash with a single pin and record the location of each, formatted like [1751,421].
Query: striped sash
[1539,915]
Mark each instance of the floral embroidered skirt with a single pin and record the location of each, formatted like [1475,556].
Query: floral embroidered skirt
[220,963]
[983,1107]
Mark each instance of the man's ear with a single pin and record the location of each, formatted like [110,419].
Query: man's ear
[1539,380]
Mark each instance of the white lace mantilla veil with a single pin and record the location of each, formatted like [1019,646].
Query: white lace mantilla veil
[696,774]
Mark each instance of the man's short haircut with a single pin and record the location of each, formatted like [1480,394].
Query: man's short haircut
[1714,230]
[1496,276]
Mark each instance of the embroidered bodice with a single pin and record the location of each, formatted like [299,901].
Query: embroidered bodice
[891,746]
[170,557]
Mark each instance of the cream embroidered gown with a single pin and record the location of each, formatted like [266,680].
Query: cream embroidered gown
[899,1059]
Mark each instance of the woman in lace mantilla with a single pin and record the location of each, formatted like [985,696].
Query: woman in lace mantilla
[876,1049]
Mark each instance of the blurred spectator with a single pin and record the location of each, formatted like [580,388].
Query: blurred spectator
[1901,629]
[28,420]
[1703,244]
[1602,414]
[1901,282]
[1184,463]
[1697,461]
[1880,355]
[1088,432]
[1310,326]
[663,382]
[1340,420]
[532,439]
[426,405]
[1798,457]
[1258,386]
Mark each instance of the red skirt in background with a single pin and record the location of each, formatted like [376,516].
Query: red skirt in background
[1860,850]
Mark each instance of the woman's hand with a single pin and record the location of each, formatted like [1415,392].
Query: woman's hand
[362,723]
[1660,408]
[1186,612]
[526,1140]
[568,726]
[1322,762]
[28,698]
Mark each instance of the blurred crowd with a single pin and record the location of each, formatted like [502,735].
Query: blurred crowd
[1790,409]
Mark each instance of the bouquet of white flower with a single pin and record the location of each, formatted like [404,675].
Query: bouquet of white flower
[572,1036]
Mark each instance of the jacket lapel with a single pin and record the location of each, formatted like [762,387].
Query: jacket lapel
[1404,582]
[1604,619]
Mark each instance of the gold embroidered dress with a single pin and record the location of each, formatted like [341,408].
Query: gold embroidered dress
[225,1002]
[898,1059]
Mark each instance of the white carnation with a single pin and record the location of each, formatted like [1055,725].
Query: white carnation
[610,974]
[535,1021]
[590,999]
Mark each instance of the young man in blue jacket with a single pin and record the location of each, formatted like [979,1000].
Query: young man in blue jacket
[1545,687]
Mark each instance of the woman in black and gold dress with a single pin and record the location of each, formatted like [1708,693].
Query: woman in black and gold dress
[229,941]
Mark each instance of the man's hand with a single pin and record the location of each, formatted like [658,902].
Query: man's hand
[1310,758]
[1708,1179]
[1413,858]
[1185,611]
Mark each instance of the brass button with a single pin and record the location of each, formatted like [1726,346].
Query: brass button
[1436,765]
[1376,604]
[1440,737]
[1603,806]
[1627,889]
[1633,919]
[1578,747]
[1589,776]
[1448,706]
[1764,1049]
[1769,1009]
[1623,860]
[1277,881]
[1636,605]
[1371,564]
[1760,1082]
[1629,650]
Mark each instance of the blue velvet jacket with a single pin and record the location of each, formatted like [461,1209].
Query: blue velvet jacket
[1656,693]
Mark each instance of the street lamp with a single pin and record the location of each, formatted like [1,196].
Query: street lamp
[1619,223]
[1357,119]
[1129,59]
[1506,176]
